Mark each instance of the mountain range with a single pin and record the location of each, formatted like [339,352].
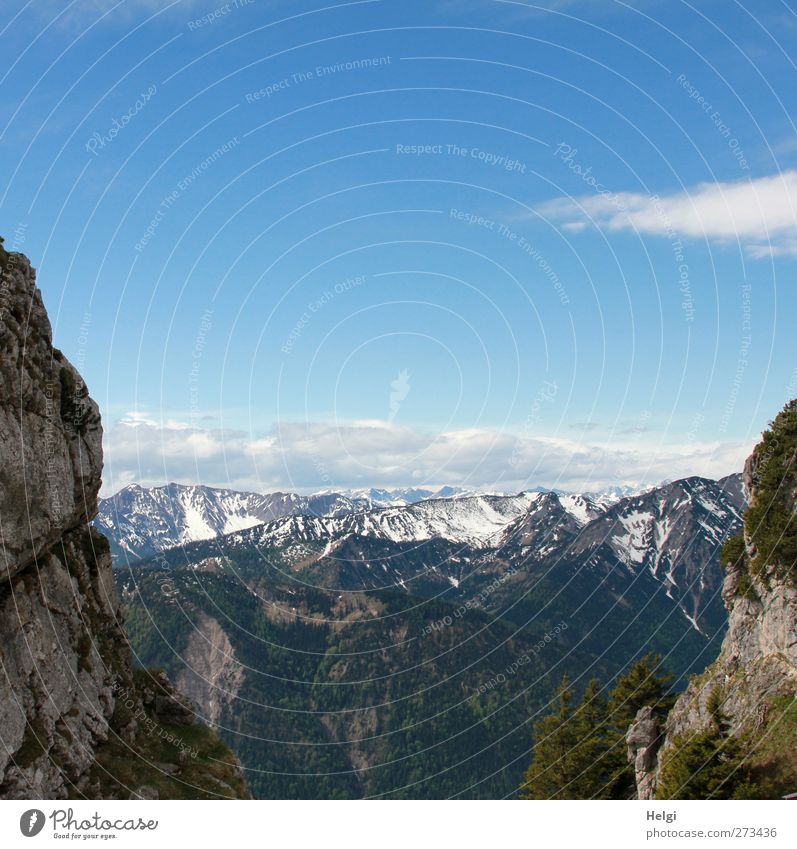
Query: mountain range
[670,532]
[402,651]
[367,644]
[141,521]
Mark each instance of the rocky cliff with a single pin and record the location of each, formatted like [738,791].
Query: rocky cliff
[76,720]
[744,703]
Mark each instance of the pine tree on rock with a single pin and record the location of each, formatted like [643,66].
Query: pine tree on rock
[644,684]
[580,750]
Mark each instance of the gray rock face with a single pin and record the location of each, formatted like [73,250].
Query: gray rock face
[50,429]
[213,675]
[757,660]
[59,633]
[67,689]
[63,684]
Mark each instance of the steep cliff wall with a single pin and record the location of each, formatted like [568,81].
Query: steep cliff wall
[75,719]
[747,696]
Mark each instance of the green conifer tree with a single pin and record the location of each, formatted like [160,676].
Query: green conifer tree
[580,750]
[643,684]
[592,759]
[554,740]
[769,521]
[571,757]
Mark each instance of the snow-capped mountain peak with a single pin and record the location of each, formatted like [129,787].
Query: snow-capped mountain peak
[141,522]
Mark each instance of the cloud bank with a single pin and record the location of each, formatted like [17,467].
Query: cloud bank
[308,457]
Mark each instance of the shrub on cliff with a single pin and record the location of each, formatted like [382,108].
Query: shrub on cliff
[770,525]
[770,522]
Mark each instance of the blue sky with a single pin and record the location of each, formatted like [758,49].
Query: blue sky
[305,245]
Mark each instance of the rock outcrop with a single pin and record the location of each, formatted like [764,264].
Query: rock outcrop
[643,740]
[75,719]
[753,682]
[213,675]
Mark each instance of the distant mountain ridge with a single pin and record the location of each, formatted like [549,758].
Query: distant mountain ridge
[479,521]
[142,521]
[673,532]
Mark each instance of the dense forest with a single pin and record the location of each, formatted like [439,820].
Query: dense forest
[346,693]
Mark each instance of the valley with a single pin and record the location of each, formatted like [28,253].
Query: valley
[406,651]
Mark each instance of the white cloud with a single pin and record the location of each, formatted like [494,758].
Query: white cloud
[759,214]
[306,457]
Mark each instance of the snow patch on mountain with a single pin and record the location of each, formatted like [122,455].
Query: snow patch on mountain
[581,507]
[635,542]
[475,520]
